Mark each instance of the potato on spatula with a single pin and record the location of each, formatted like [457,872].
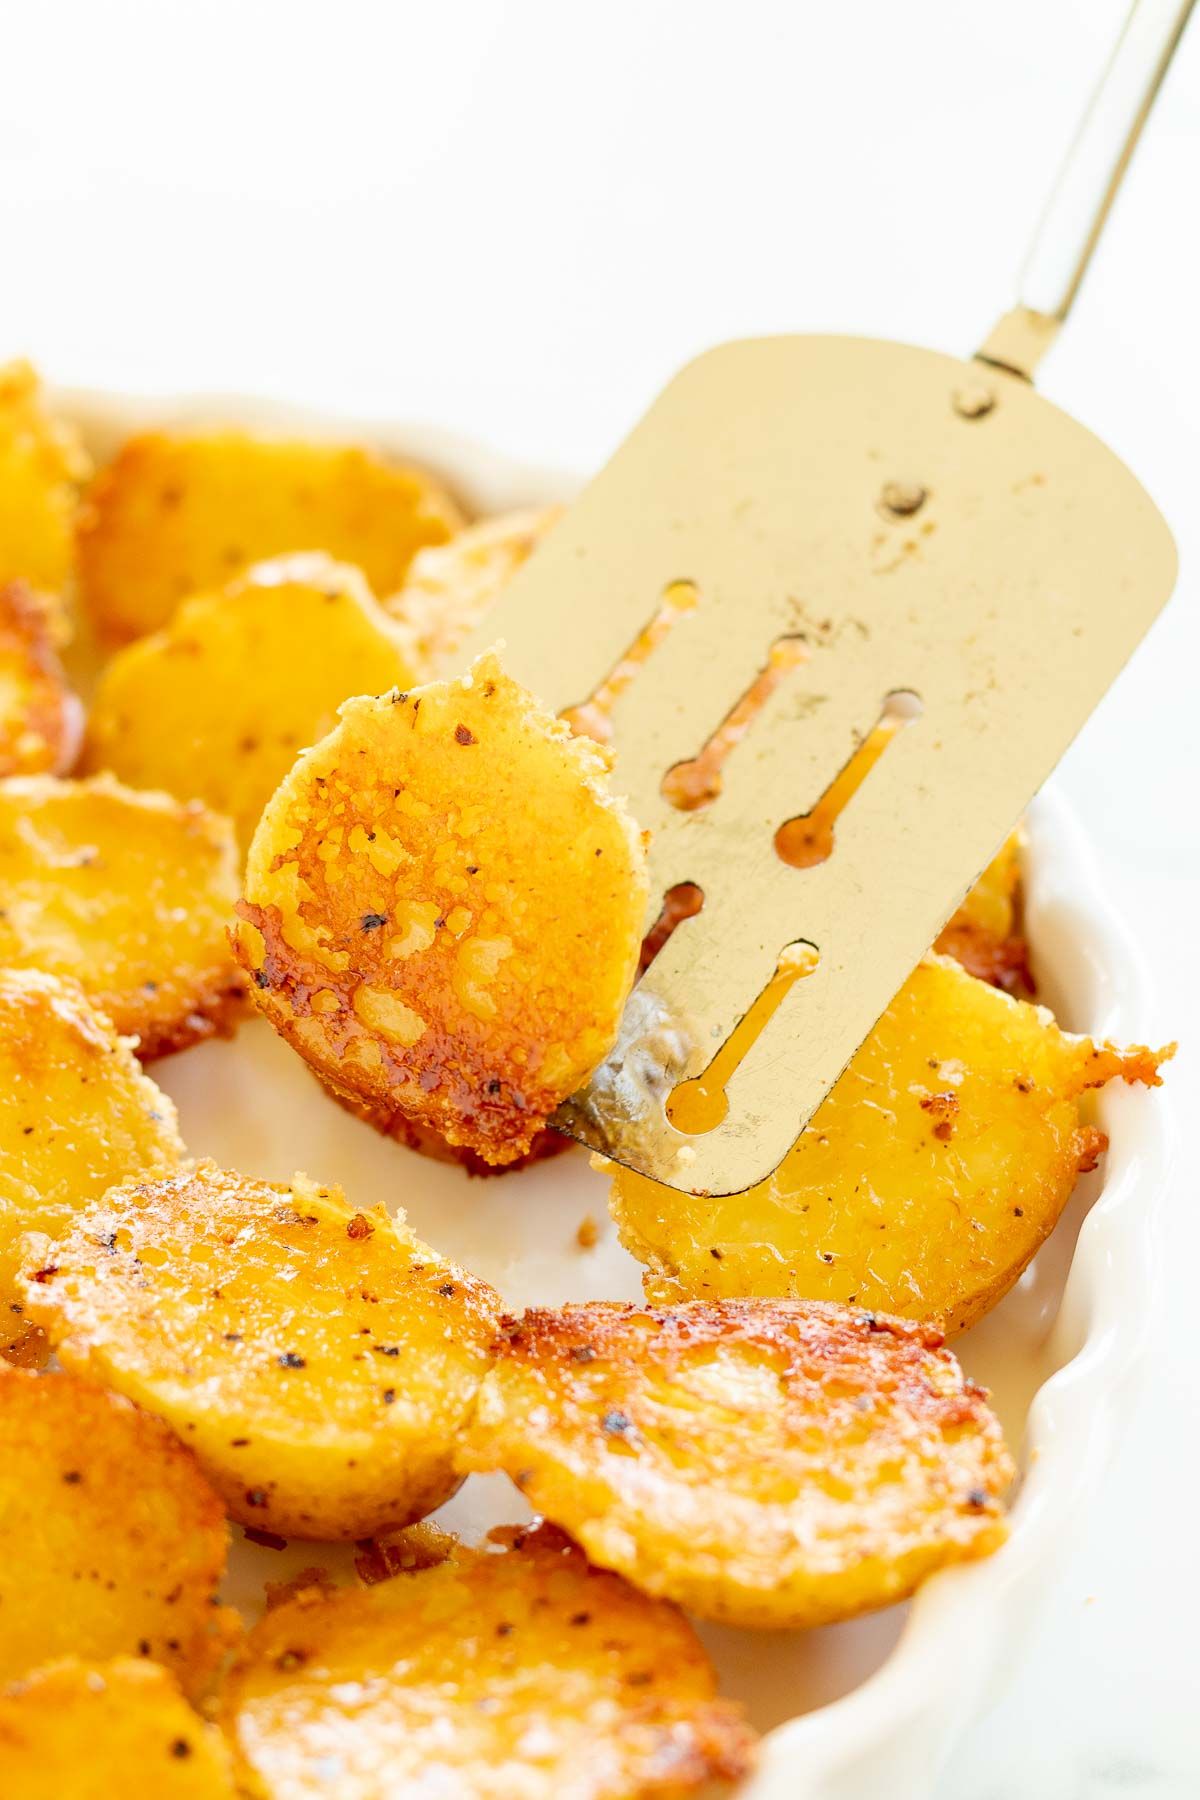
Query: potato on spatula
[443,909]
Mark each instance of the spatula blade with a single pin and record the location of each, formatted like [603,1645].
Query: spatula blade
[923,525]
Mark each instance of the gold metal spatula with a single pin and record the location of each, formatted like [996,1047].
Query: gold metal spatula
[840,568]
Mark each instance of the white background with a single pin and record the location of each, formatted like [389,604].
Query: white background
[517,219]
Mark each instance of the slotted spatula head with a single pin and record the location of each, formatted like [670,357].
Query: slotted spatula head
[908,524]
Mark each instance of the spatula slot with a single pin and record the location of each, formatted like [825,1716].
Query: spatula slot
[683,901]
[701,1104]
[807,839]
[697,782]
[593,717]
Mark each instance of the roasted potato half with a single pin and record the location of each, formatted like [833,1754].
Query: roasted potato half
[111,1541]
[41,720]
[42,465]
[452,587]
[91,1730]
[76,1116]
[179,513]
[498,1672]
[925,1182]
[443,909]
[216,705]
[128,893]
[318,1360]
[766,1463]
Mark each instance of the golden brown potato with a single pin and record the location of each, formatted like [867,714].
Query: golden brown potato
[128,893]
[925,1182]
[319,1361]
[41,720]
[41,467]
[216,706]
[428,1142]
[452,587]
[89,1731]
[985,935]
[763,1462]
[496,1673]
[76,1116]
[111,1541]
[443,909]
[176,514]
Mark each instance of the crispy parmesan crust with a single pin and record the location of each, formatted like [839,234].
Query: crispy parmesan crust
[927,1179]
[765,1463]
[78,1730]
[320,1369]
[128,893]
[985,934]
[41,720]
[496,1672]
[111,1541]
[1001,961]
[443,910]
[176,514]
[428,1142]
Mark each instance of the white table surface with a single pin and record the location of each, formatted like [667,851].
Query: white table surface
[516,219]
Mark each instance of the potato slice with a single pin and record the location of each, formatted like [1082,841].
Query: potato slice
[443,909]
[76,1116]
[427,1142]
[111,1541]
[130,894]
[496,1673]
[41,720]
[769,1463]
[87,1731]
[42,465]
[452,587]
[319,1361]
[215,706]
[175,514]
[925,1182]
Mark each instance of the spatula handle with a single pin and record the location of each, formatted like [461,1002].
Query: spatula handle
[1087,184]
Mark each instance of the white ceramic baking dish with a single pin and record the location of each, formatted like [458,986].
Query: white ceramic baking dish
[854,1710]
